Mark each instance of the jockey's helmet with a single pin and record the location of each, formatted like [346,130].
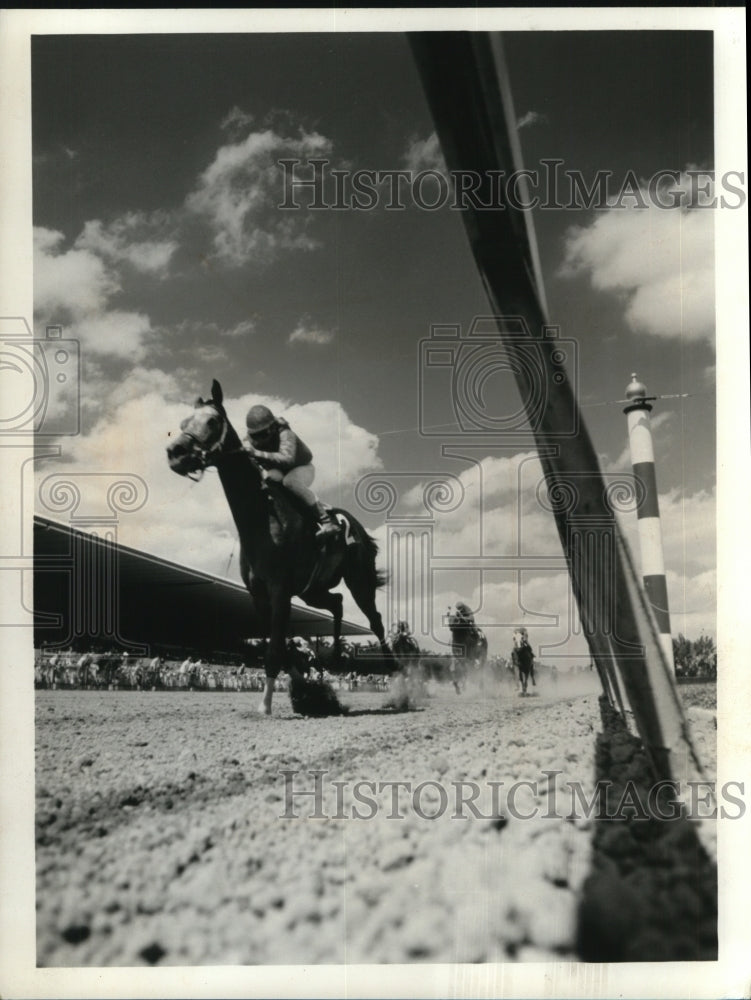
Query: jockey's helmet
[259,418]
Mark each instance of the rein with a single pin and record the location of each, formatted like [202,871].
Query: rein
[205,455]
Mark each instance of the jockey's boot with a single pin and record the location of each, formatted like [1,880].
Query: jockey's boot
[329,526]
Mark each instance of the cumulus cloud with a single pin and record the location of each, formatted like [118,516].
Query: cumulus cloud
[114,333]
[245,328]
[424,154]
[306,333]
[689,532]
[531,118]
[74,287]
[491,509]
[177,522]
[501,513]
[689,538]
[235,121]
[132,239]
[659,261]
[72,282]
[238,194]
[623,462]
[342,450]
[185,521]
[192,331]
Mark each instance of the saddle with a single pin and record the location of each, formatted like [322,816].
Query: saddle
[331,550]
[467,632]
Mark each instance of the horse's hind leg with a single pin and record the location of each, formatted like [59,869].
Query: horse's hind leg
[334,603]
[364,596]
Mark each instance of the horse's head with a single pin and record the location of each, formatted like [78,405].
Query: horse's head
[203,436]
[459,617]
[521,638]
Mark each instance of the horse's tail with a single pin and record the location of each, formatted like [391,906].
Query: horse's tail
[371,547]
[367,548]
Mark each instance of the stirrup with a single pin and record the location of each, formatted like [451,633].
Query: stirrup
[329,527]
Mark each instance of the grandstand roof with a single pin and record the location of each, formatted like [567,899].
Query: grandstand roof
[88,586]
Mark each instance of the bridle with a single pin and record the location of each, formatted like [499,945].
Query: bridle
[207,455]
[521,641]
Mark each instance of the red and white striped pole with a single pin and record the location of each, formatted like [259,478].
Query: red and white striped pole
[648,511]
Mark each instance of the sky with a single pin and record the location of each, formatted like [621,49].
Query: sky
[161,248]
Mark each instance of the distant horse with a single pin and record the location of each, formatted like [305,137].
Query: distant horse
[436,667]
[301,656]
[523,658]
[280,557]
[469,649]
[51,671]
[86,667]
[406,649]
[403,643]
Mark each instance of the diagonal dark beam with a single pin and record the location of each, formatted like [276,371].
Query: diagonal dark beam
[466,83]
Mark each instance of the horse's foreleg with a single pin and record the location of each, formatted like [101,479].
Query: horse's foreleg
[268,694]
[455,678]
[276,655]
[337,611]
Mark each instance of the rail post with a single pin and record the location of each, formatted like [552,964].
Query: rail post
[648,510]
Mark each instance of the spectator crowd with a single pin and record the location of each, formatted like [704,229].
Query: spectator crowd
[98,668]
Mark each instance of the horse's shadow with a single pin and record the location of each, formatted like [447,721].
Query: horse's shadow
[385,710]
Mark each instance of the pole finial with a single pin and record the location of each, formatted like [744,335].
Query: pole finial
[635,389]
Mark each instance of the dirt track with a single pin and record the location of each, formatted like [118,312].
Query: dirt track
[160,836]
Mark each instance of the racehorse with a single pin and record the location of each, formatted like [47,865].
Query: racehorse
[469,647]
[523,658]
[403,643]
[280,557]
[406,649]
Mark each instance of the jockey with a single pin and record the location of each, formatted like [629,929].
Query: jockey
[286,459]
[524,637]
[403,643]
[464,618]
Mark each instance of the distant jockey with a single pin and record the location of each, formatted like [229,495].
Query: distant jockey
[463,619]
[523,637]
[403,643]
[288,460]
[401,628]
